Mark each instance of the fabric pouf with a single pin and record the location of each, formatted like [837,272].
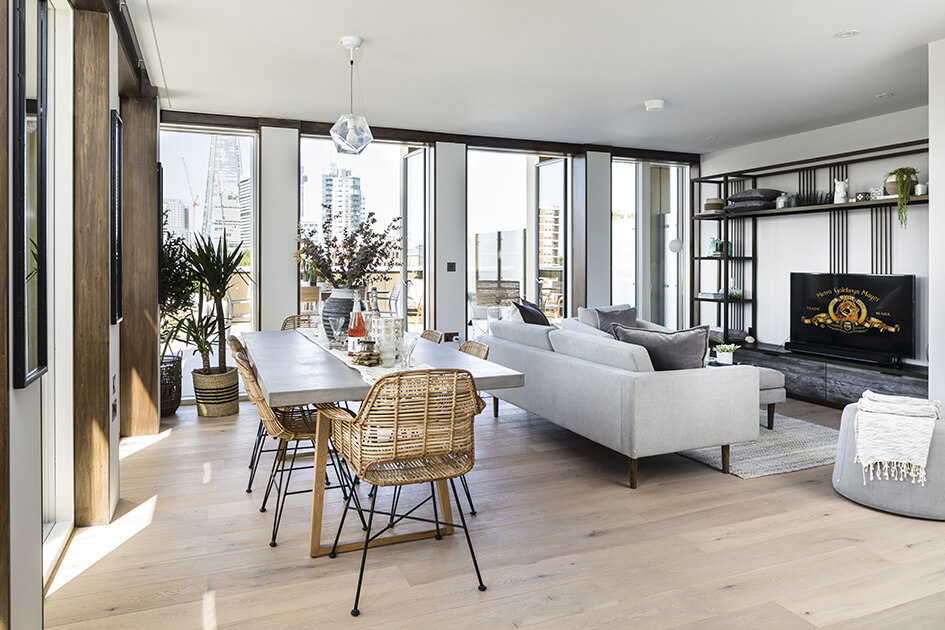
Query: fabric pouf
[897,497]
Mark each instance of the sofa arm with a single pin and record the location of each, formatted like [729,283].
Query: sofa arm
[677,410]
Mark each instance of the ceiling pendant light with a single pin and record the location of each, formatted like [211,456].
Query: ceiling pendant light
[351,133]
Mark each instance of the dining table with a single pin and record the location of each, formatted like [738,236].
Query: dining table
[294,369]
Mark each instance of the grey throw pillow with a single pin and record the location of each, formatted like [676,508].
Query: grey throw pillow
[625,317]
[677,350]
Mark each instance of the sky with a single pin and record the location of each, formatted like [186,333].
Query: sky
[194,148]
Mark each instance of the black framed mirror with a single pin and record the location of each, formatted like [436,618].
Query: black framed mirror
[115,216]
[29,191]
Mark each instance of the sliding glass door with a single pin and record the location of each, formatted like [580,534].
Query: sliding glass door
[552,183]
[414,229]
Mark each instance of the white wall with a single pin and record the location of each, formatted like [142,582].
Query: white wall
[598,228]
[801,243]
[278,287]
[936,222]
[450,240]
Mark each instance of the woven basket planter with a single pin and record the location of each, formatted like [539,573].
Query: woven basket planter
[217,394]
[170,384]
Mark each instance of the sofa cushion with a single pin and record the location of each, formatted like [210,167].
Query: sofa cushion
[770,379]
[677,350]
[575,325]
[589,315]
[626,317]
[603,350]
[532,315]
[533,335]
[764,194]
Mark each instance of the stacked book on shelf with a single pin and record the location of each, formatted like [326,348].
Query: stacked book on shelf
[711,295]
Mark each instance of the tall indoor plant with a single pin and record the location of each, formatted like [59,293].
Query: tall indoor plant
[176,290]
[215,265]
[348,259]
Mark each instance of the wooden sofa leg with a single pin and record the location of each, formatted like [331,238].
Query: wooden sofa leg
[633,473]
[725,458]
[771,416]
[495,407]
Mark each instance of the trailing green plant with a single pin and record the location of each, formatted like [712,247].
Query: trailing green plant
[726,347]
[903,176]
[215,266]
[353,258]
[176,289]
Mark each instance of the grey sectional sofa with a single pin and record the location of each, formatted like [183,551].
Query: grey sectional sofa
[607,391]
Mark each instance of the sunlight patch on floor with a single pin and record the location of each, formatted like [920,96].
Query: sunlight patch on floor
[210,610]
[91,544]
[130,445]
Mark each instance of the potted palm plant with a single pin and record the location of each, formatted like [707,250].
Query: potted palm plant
[176,291]
[215,265]
[347,260]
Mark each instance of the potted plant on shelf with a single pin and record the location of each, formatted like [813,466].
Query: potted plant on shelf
[214,265]
[902,182]
[725,353]
[347,259]
[176,289]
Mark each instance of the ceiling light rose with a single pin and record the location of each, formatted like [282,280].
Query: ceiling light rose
[654,105]
[351,133]
[847,33]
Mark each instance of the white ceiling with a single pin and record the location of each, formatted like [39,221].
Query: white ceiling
[741,70]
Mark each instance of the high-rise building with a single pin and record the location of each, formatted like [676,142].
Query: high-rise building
[246,212]
[550,253]
[221,207]
[341,199]
[177,215]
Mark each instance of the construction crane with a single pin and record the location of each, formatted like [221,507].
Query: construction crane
[194,199]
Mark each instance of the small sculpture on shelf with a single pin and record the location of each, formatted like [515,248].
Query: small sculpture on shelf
[840,187]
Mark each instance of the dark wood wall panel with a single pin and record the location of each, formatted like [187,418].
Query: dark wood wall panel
[4,324]
[142,226]
[91,256]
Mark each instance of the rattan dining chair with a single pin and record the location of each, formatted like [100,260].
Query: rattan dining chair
[480,351]
[290,426]
[414,427]
[306,320]
[432,335]
[236,346]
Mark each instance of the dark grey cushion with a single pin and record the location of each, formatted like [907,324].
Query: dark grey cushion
[764,194]
[625,317]
[532,315]
[676,350]
[749,204]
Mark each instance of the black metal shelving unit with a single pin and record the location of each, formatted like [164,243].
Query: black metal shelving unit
[740,229]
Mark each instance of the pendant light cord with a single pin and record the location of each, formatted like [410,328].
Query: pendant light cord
[351,84]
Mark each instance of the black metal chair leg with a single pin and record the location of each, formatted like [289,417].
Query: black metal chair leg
[393,505]
[462,518]
[436,515]
[472,508]
[284,480]
[257,455]
[367,539]
[283,446]
[344,513]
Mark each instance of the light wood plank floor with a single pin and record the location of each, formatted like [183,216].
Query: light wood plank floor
[562,543]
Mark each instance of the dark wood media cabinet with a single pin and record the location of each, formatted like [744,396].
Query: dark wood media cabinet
[834,382]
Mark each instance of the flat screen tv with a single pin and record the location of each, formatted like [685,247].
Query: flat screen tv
[858,316]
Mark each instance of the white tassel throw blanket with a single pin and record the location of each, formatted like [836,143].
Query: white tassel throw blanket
[893,435]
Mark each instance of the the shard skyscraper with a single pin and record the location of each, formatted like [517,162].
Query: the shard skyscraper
[221,209]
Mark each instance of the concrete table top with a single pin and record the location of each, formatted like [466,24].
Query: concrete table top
[293,370]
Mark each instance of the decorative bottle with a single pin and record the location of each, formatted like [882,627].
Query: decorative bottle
[356,328]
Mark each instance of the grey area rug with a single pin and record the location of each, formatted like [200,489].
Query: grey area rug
[792,445]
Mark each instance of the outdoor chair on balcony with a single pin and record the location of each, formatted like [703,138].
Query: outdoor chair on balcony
[306,320]
[393,301]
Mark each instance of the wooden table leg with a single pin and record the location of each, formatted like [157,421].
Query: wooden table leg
[318,483]
[446,510]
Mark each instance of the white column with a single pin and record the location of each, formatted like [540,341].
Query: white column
[278,221]
[936,218]
[598,228]
[449,270]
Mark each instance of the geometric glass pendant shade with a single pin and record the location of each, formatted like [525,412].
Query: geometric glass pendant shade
[351,133]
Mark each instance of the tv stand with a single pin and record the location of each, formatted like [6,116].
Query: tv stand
[834,381]
[871,358]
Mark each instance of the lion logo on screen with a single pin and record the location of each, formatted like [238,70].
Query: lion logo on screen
[848,314]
